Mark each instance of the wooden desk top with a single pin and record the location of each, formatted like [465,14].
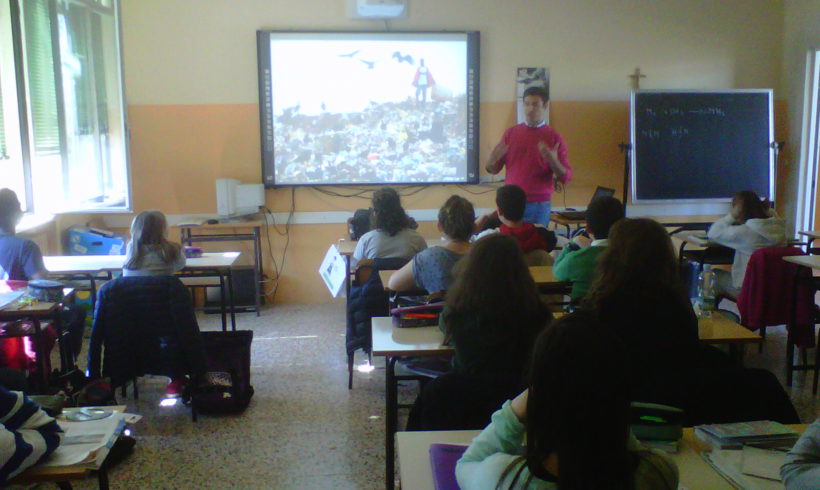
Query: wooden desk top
[812,261]
[720,330]
[420,341]
[42,474]
[813,234]
[84,264]
[347,247]
[36,310]
[228,224]
[415,472]
[541,274]
[557,218]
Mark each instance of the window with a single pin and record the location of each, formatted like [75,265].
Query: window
[68,104]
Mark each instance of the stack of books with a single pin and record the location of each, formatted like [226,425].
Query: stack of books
[759,433]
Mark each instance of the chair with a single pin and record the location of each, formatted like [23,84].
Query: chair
[776,292]
[145,325]
[367,299]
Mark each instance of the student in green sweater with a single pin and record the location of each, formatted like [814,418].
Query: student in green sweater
[576,263]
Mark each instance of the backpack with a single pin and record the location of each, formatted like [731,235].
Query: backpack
[226,387]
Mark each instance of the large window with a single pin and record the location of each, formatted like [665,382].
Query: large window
[63,127]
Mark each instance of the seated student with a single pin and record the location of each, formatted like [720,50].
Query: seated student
[493,312]
[750,225]
[431,269]
[22,260]
[637,293]
[510,201]
[149,253]
[577,260]
[575,417]
[28,434]
[392,237]
[801,470]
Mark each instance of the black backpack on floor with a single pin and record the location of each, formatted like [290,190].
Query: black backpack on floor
[226,387]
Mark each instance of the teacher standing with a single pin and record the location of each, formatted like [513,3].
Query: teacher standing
[535,156]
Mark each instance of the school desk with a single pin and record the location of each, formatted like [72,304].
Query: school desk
[32,318]
[813,263]
[227,232]
[541,274]
[64,475]
[416,472]
[211,264]
[394,343]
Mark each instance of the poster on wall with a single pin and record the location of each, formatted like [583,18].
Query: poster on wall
[531,77]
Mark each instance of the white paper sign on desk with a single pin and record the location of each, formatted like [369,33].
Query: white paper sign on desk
[332,271]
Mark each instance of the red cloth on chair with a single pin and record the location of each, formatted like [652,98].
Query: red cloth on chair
[20,352]
[766,297]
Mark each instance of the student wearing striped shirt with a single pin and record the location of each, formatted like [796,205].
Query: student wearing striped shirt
[27,436]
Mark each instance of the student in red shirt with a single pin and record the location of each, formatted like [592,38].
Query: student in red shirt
[511,201]
[535,156]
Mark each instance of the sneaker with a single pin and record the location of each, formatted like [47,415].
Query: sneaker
[176,387]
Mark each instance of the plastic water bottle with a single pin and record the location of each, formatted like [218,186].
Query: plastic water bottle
[706,291]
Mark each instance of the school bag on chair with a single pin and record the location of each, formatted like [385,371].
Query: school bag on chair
[227,384]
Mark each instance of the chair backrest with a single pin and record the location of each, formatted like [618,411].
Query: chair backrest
[767,296]
[146,326]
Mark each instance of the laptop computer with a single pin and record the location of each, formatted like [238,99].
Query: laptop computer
[582,215]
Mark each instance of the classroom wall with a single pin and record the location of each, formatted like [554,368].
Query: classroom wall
[801,33]
[191,86]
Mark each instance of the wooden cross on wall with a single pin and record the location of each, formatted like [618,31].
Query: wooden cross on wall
[636,78]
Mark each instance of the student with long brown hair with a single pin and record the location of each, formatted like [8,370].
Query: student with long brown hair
[492,315]
[575,416]
[639,296]
[493,311]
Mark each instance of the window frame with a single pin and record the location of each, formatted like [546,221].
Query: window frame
[56,9]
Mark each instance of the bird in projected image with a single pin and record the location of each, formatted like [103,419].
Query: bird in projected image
[402,58]
[368,63]
[348,55]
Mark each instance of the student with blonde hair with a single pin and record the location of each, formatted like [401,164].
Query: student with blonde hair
[150,253]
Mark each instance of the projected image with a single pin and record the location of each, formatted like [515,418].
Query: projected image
[352,109]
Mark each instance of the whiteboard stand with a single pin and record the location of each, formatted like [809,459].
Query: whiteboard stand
[625,148]
[777,146]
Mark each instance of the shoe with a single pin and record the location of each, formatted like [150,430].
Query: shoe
[176,387]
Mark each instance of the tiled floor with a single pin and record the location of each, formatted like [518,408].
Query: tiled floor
[303,429]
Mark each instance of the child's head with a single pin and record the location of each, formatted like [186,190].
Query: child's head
[10,210]
[602,213]
[747,205]
[494,280]
[577,408]
[511,201]
[149,228]
[457,218]
[390,216]
[639,258]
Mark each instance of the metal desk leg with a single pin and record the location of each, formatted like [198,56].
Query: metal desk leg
[231,303]
[347,276]
[257,269]
[222,310]
[41,355]
[391,421]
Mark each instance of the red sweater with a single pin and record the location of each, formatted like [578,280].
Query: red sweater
[527,236]
[526,168]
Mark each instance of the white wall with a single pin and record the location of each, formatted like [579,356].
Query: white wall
[801,32]
[204,51]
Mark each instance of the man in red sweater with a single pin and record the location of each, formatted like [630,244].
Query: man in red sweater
[535,156]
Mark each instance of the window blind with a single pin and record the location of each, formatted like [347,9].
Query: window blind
[41,78]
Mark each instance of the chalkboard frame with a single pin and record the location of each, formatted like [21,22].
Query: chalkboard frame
[633,166]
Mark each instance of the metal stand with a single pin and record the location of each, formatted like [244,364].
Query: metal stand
[626,149]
